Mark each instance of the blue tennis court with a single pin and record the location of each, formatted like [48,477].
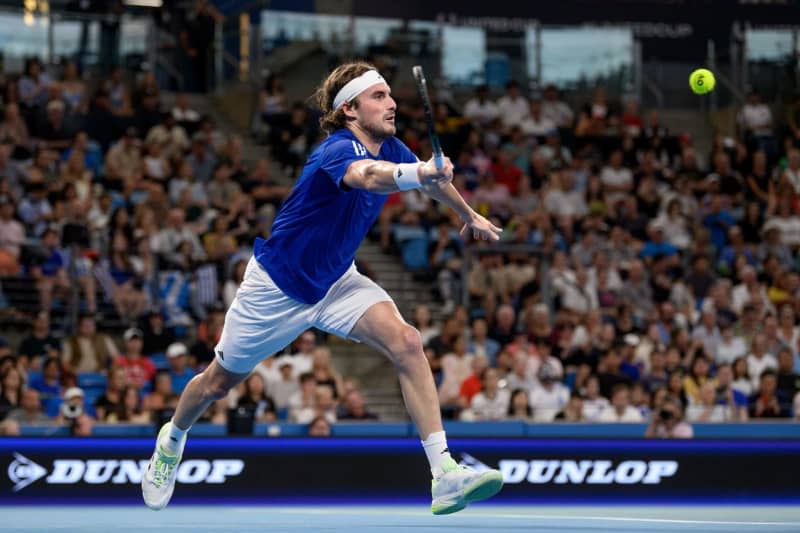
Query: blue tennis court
[180,519]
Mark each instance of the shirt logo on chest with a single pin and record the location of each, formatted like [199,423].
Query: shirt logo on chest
[359,149]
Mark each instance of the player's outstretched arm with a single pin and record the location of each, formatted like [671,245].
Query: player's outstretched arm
[384,177]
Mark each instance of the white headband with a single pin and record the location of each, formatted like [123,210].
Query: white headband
[356,86]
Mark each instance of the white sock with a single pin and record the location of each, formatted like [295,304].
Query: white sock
[436,449]
[173,438]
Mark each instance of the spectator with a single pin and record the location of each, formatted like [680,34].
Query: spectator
[513,106]
[201,159]
[111,400]
[756,123]
[301,403]
[455,369]
[323,370]
[492,402]
[284,387]
[73,413]
[12,236]
[179,371]
[620,409]
[157,337]
[765,402]
[706,409]
[301,356]
[699,375]
[573,412]
[759,360]
[519,406]
[667,421]
[11,387]
[185,116]
[788,380]
[593,403]
[728,396]
[472,385]
[319,427]
[161,396]
[40,344]
[353,408]
[255,397]
[29,410]
[48,384]
[536,124]
[480,109]
[130,411]
[556,109]
[87,350]
[139,370]
[550,396]
[423,323]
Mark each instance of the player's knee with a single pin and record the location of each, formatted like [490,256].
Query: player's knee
[408,346]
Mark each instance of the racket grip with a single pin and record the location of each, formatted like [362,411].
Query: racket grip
[438,160]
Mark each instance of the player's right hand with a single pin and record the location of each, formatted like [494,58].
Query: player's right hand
[430,176]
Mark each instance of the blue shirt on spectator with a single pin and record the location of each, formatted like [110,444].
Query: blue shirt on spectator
[323,221]
[718,224]
[652,249]
[179,381]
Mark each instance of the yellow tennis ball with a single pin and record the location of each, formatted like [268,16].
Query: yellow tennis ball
[702,81]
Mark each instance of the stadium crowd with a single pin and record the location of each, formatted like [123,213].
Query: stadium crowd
[640,281]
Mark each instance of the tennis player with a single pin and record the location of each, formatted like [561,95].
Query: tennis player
[304,276]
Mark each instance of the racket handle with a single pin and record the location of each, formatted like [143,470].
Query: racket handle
[438,160]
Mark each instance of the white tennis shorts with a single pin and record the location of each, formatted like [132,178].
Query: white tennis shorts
[262,319]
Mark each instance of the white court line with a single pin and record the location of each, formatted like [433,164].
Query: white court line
[536,517]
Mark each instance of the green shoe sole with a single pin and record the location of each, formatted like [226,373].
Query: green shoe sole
[485,487]
[481,489]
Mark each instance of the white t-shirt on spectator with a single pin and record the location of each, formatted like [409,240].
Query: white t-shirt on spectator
[789,228]
[719,413]
[560,203]
[745,386]
[757,118]
[526,383]
[538,127]
[546,404]
[513,111]
[301,362]
[281,391]
[593,408]
[559,112]
[617,177]
[482,113]
[729,352]
[756,365]
[485,408]
[631,415]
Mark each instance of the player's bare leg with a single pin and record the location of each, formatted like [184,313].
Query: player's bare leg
[158,481]
[453,487]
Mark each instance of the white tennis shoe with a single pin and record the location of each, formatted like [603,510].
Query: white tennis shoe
[158,481]
[460,485]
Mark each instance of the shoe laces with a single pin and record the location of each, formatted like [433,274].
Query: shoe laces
[163,469]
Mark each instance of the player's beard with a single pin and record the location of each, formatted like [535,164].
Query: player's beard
[380,129]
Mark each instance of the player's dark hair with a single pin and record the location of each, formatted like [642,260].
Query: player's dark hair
[332,120]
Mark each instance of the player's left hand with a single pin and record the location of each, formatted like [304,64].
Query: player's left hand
[481,229]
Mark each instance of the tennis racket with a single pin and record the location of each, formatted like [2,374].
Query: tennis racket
[422,89]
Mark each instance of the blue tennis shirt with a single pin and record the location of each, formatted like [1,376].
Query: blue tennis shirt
[321,224]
